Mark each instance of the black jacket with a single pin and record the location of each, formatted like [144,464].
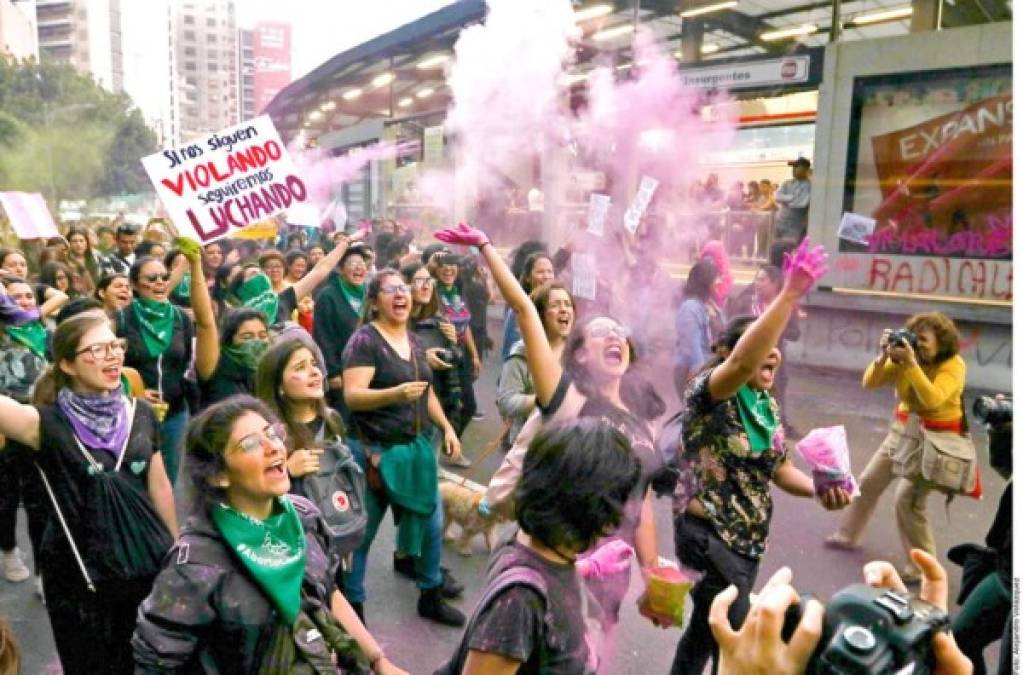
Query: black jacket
[334,322]
[205,613]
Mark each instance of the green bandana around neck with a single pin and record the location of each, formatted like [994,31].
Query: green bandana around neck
[355,294]
[32,335]
[273,551]
[248,353]
[757,417]
[258,293]
[157,320]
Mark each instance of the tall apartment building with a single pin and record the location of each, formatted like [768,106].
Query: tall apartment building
[204,64]
[85,34]
[18,37]
[264,64]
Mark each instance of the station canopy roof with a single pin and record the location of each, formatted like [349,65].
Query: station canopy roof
[401,74]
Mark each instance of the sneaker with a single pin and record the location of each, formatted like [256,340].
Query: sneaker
[433,607]
[14,567]
[839,542]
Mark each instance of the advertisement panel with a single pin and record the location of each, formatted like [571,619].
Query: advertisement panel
[271,57]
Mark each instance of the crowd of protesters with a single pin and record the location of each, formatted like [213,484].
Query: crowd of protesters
[244,372]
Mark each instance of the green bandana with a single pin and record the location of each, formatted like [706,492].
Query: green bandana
[248,353]
[355,295]
[157,320]
[32,335]
[257,293]
[757,417]
[273,551]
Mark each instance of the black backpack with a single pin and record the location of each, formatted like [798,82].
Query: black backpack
[339,491]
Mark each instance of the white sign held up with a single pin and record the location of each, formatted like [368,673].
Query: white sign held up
[599,204]
[856,228]
[584,276]
[638,207]
[227,180]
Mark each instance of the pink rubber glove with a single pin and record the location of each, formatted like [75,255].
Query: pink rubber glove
[464,235]
[610,559]
[803,267]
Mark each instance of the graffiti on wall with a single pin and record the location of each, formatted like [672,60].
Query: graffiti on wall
[981,279]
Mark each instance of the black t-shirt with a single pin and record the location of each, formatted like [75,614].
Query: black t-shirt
[399,422]
[228,379]
[172,367]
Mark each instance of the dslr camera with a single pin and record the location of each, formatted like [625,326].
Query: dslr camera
[902,335]
[450,355]
[870,631]
[992,411]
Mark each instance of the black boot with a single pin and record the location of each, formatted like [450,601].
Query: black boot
[449,588]
[432,606]
[406,567]
[360,611]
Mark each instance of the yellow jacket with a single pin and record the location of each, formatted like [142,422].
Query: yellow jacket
[933,391]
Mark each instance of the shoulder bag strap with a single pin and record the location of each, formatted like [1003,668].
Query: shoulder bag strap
[67,530]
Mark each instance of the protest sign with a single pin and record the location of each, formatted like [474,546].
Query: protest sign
[856,228]
[638,206]
[599,205]
[584,276]
[227,180]
[30,218]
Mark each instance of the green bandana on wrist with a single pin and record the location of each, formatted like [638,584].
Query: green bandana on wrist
[157,320]
[354,294]
[757,417]
[184,289]
[248,353]
[273,551]
[32,335]
[258,293]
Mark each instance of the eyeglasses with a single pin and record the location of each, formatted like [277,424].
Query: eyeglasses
[393,289]
[605,329]
[102,350]
[153,278]
[423,283]
[275,433]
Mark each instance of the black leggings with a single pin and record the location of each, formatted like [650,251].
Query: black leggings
[19,482]
[699,547]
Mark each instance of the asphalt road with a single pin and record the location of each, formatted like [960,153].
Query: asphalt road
[816,399]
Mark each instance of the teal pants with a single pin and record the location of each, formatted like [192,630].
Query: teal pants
[983,620]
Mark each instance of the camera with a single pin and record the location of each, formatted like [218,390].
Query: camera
[902,335]
[992,411]
[868,631]
[451,356]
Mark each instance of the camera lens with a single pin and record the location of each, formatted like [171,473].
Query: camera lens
[859,638]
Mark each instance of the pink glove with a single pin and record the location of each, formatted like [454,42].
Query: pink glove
[610,559]
[463,234]
[804,266]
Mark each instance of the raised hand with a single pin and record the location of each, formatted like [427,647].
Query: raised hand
[464,235]
[803,267]
[612,558]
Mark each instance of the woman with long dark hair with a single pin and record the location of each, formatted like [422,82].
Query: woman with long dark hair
[114,291]
[387,386]
[80,252]
[251,588]
[91,442]
[734,448]
[697,322]
[244,339]
[455,310]
[593,378]
[537,270]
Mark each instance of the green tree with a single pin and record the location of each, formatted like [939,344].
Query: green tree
[65,136]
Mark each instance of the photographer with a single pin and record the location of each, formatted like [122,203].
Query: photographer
[758,646]
[923,364]
[987,570]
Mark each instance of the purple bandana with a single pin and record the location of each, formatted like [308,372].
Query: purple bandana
[100,420]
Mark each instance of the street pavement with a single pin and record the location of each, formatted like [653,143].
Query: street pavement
[816,399]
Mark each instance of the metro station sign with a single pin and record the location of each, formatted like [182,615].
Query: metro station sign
[786,70]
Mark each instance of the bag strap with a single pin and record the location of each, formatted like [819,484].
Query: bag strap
[124,446]
[67,530]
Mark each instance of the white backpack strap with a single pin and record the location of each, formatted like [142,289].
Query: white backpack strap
[67,530]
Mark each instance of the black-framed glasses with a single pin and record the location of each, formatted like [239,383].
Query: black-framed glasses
[392,289]
[153,278]
[102,350]
[275,433]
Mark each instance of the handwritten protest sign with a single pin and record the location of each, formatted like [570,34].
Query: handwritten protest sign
[855,228]
[599,205]
[584,276]
[638,206]
[227,180]
[30,218]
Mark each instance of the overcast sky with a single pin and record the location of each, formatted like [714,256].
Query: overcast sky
[322,28]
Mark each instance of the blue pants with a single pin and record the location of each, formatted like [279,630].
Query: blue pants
[172,435]
[428,573]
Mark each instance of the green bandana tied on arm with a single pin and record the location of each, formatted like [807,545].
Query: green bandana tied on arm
[354,294]
[32,335]
[248,353]
[157,320]
[257,293]
[273,551]
[183,292]
[757,417]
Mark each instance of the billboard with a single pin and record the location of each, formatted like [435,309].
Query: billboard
[271,61]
